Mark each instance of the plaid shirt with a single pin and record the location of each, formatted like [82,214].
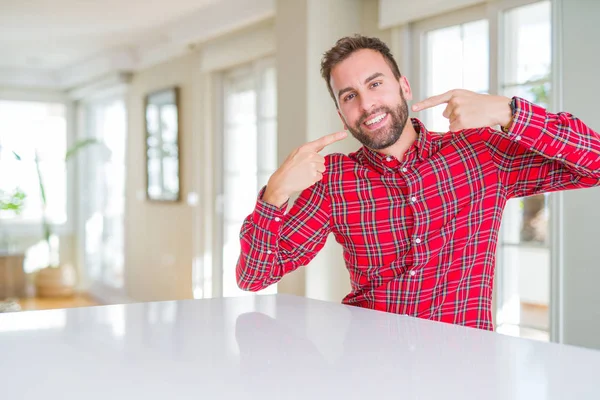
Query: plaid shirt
[419,235]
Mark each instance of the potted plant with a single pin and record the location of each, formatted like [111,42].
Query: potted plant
[56,279]
[12,275]
[12,201]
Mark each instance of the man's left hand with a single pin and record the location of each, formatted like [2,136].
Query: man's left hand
[467,110]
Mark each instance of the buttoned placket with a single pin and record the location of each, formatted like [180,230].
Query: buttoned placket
[414,201]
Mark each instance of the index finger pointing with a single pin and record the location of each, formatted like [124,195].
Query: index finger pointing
[432,101]
[321,143]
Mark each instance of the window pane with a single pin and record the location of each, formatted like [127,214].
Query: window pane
[30,128]
[524,252]
[241,108]
[476,71]
[269,94]
[457,57]
[525,220]
[528,303]
[527,43]
[538,93]
[443,45]
[267,146]
[240,196]
[240,148]
[249,155]
[170,177]
[169,118]
[105,182]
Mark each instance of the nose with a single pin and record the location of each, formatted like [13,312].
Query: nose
[367,102]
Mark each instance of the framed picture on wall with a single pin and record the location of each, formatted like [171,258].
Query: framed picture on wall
[162,145]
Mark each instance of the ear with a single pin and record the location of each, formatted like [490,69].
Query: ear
[343,121]
[405,87]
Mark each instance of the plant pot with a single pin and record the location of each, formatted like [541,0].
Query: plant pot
[13,282]
[55,281]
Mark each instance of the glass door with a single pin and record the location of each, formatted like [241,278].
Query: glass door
[249,156]
[103,193]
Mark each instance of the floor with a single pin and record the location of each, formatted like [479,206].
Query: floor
[535,316]
[535,321]
[38,303]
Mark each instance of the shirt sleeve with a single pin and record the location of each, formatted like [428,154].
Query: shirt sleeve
[544,152]
[274,243]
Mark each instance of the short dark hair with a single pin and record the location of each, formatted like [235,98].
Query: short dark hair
[345,46]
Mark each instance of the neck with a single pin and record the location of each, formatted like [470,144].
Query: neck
[407,138]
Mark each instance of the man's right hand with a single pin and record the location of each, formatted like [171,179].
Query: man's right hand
[301,169]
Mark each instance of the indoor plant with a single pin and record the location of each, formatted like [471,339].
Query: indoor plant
[56,279]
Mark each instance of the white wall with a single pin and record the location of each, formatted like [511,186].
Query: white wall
[158,236]
[581,230]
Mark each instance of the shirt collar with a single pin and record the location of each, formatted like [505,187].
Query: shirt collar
[420,149]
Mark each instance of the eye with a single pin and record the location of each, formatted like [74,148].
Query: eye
[349,97]
[375,84]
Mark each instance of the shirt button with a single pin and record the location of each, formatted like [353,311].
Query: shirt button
[413,199]
[277,219]
[417,240]
[269,252]
[412,273]
[404,169]
[388,159]
[518,137]
[559,155]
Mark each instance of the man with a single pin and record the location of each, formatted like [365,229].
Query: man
[417,213]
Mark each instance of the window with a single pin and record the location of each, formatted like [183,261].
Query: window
[34,129]
[455,57]
[524,248]
[103,195]
[503,47]
[527,53]
[249,152]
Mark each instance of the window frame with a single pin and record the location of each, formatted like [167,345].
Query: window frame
[212,276]
[409,43]
[98,288]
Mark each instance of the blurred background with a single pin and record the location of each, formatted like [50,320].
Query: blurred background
[135,136]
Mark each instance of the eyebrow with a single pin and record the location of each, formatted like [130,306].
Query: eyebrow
[370,78]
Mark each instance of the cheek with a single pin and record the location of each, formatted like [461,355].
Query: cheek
[353,115]
[390,99]
[350,115]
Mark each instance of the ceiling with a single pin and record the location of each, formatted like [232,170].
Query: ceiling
[59,43]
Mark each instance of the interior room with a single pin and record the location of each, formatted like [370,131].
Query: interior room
[136,135]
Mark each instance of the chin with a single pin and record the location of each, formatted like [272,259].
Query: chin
[386,140]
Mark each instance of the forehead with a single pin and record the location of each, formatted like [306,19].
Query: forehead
[358,67]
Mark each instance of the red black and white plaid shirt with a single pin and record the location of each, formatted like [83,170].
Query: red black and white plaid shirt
[419,236]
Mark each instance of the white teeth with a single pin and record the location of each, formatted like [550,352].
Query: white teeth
[375,120]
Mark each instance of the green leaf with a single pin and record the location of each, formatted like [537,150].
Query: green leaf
[14,201]
[40,180]
[73,150]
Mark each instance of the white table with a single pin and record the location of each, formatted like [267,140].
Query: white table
[275,347]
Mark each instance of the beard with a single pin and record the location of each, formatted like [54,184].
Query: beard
[385,136]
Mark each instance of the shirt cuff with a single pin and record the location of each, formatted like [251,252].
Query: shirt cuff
[267,215]
[528,124]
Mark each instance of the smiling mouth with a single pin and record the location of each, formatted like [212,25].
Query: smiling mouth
[376,121]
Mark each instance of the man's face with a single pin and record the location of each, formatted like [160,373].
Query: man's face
[371,101]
